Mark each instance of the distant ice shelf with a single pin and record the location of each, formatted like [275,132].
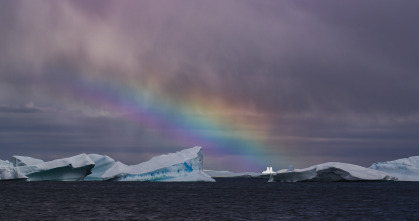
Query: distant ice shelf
[182,166]
[228,174]
[331,172]
[406,169]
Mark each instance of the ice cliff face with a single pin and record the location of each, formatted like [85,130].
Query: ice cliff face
[67,169]
[102,164]
[330,172]
[406,169]
[185,165]
[9,172]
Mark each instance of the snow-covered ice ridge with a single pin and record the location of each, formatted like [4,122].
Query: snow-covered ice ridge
[406,169]
[185,165]
[332,171]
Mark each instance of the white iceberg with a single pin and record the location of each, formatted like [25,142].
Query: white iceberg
[228,174]
[268,171]
[67,169]
[330,172]
[185,165]
[9,172]
[102,164]
[406,169]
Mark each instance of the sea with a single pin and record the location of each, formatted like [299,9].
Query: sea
[226,199]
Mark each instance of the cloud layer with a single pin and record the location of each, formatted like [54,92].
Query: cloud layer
[315,81]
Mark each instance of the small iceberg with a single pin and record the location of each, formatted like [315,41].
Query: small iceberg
[268,171]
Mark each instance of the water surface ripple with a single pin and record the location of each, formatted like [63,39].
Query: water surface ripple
[227,199]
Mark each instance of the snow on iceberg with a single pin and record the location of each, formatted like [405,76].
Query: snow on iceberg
[102,164]
[406,169]
[185,165]
[5,163]
[67,169]
[25,161]
[9,172]
[268,171]
[330,172]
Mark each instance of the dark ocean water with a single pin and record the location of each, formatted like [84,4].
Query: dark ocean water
[227,199]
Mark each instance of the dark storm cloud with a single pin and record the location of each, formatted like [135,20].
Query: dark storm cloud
[49,135]
[288,56]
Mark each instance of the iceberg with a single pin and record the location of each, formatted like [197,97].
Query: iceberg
[331,172]
[185,165]
[102,164]
[67,169]
[9,172]
[406,169]
[228,174]
[268,170]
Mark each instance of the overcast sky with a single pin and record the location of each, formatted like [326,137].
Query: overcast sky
[256,83]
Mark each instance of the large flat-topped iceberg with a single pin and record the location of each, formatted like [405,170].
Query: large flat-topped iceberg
[67,169]
[331,172]
[102,164]
[185,165]
[406,169]
[9,172]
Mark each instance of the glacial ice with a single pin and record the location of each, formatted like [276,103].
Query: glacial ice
[268,171]
[102,164]
[26,161]
[330,172]
[9,172]
[228,174]
[185,165]
[5,163]
[67,169]
[406,169]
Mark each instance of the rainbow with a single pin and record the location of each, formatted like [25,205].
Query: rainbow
[177,121]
